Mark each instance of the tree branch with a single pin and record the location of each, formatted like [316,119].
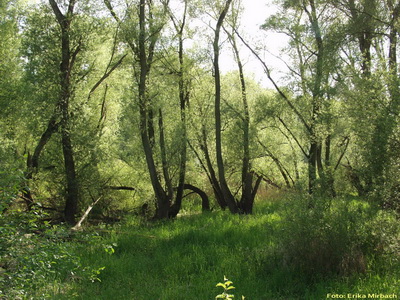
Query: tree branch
[294,137]
[105,76]
[268,73]
[60,17]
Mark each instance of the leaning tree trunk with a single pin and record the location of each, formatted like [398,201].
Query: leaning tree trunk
[249,192]
[32,163]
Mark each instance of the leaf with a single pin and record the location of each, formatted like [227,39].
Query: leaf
[221,285]
[227,283]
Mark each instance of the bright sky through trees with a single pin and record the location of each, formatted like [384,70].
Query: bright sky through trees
[254,15]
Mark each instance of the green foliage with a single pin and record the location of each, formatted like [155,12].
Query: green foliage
[342,236]
[227,285]
[188,255]
[294,249]
[37,258]
[11,181]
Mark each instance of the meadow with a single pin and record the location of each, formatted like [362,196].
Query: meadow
[291,248]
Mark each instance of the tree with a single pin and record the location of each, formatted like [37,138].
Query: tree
[61,78]
[184,94]
[249,191]
[10,74]
[369,30]
[314,38]
[68,57]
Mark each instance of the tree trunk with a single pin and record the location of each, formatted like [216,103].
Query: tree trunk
[312,167]
[183,100]
[66,65]
[205,203]
[163,151]
[163,201]
[314,157]
[213,176]
[227,195]
[328,181]
[248,192]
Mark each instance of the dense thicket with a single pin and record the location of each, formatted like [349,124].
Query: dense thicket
[126,103]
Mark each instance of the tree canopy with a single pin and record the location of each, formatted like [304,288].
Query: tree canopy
[127,102]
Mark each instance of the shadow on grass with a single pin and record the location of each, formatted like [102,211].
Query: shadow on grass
[185,259]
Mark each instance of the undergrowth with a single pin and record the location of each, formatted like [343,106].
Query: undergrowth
[294,248]
[38,260]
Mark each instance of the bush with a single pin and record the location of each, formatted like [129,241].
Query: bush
[35,255]
[10,185]
[339,236]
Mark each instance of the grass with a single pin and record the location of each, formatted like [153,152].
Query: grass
[183,259]
[186,258]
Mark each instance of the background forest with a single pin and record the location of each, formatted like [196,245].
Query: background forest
[123,114]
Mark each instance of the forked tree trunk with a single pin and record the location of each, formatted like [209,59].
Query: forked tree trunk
[227,195]
[249,192]
[145,60]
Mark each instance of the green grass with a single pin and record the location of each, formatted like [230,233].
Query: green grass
[186,258]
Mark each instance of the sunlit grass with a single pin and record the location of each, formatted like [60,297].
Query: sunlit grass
[186,257]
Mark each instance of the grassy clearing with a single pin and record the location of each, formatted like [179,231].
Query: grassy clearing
[185,258]
[284,251]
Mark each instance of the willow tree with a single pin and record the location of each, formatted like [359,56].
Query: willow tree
[248,186]
[10,74]
[371,81]
[184,95]
[67,60]
[60,78]
[150,19]
[315,39]
[223,192]
[9,56]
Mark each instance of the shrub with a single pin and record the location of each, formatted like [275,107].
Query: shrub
[10,184]
[339,236]
[35,254]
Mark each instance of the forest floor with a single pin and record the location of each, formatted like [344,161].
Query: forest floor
[279,252]
[187,257]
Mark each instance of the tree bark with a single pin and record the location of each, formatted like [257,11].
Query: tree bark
[183,100]
[205,203]
[314,156]
[145,60]
[248,191]
[213,176]
[227,195]
[66,65]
